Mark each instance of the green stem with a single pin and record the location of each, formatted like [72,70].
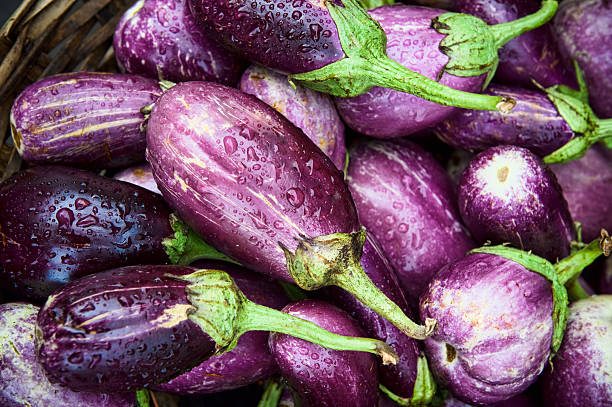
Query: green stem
[143,398]
[570,267]
[294,292]
[603,130]
[424,387]
[368,4]
[505,32]
[575,291]
[272,394]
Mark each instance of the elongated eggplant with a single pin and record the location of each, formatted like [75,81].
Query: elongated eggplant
[141,175]
[160,39]
[23,381]
[310,111]
[507,195]
[406,200]
[83,119]
[70,222]
[251,183]
[323,377]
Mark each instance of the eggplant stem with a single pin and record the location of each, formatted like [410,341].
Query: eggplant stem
[272,393]
[570,267]
[504,32]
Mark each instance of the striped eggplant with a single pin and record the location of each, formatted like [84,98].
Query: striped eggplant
[141,175]
[160,39]
[251,183]
[136,326]
[83,119]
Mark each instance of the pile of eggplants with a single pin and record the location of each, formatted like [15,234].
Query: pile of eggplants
[235,209]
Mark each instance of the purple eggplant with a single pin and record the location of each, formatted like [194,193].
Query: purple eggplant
[406,200]
[310,111]
[137,326]
[83,119]
[583,30]
[582,370]
[160,39]
[533,55]
[250,361]
[70,222]
[321,377]
[23,381]
[251,183]
[507,195]
[141,175]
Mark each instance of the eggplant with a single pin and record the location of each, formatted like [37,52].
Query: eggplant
[83,119]
[250,361]
[406,200]
[321,377]
[136,326]
[582,370]
[23,381]
[507,195]
[335,47]
[141,175]
[160,39]
[310,111]
[582,28]
[251,183]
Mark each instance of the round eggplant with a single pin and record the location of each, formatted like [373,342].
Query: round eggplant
[141,175]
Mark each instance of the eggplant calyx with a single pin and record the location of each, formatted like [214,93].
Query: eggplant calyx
[368,4]
[335,260]
[273,390]
[424,387]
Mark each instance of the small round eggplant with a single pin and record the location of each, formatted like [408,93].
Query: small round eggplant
[582,370]
[70,222]
[23,381]
[160,39]
[83,119]
[406,200]
[141,175]
[322,377]
[311,111]
[507,195]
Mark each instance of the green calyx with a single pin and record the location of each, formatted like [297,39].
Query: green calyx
[368,4]
[472,44]
[335,260]
[365,64]
[424,387]
[143,398]
[273,390]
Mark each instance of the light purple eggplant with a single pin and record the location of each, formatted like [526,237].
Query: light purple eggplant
[83,119]
[582,370]
[406,200]
[322,377]
[250,361]
[141,175]
[506,195]
[583,31]
[160,39]
[71,222]
[251,183]
[23,381]
[311,111]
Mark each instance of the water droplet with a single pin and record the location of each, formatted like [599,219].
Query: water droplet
[230,144]
[403,227]
[295,196]
[64,217]
[315,31]
[81,203]
[87,221]
[75,358]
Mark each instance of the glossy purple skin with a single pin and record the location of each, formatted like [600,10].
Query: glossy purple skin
[242,176]
[387,113]
[311,111]
[70,223]
[582,374]
[160,39]
[285,35]
[533,54]
[250,361]
[494,327]
[406,200]
[141,175]
[23,380]
[583,30]
[534,123]
[83,119]
[120,330]
[586,185]
[506,195]
[398,378]
[324,377]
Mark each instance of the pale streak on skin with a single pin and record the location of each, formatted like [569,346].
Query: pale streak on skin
[91,129]
[74,119]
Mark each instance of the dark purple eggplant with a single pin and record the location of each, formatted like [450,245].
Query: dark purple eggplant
[70,222]
[321,377]
[83,119]
[141,175]
[137,326]
[506,195]
[160,39]
[251,183]
[406,200]
[310,111]
[23,381]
